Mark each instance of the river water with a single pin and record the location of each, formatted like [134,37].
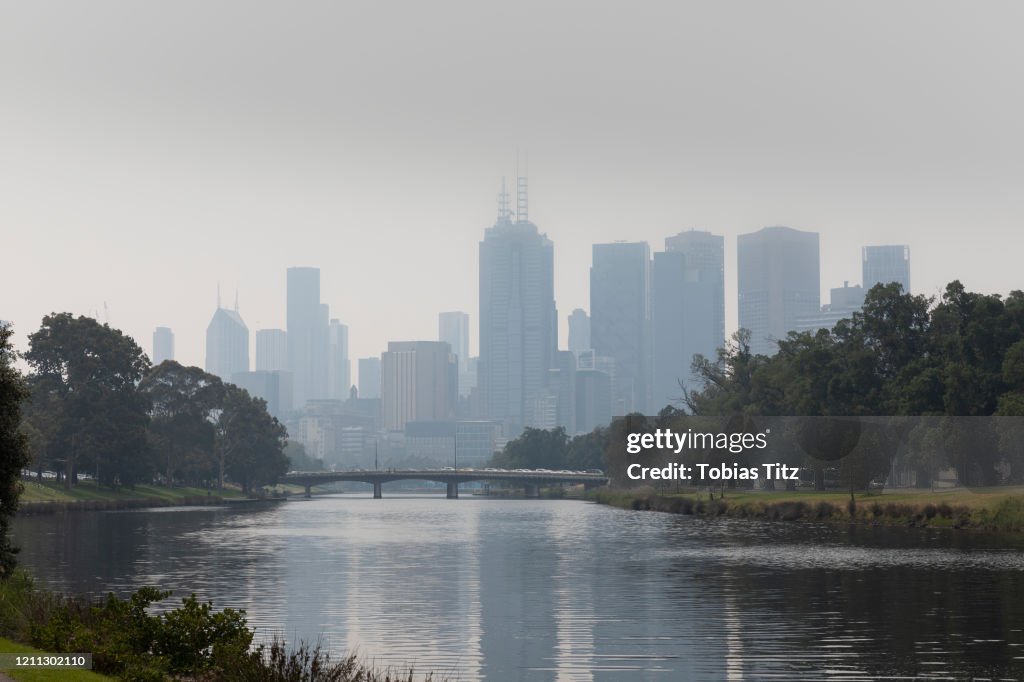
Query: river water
[481,589]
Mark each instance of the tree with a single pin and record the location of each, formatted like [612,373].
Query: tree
[186,403]
[85,378]
[535,449]
[250,443]
[14,452]
[588,450]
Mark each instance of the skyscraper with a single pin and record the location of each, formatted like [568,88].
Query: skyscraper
[687,309]
[338,367]
[518,319]
[369,377]
[885,264]
[779,281]
[419,382]
[579,331]
[705,262]
[620,319]
[453,329]
[307,336]
[271,350]
[163,345]
[227,344]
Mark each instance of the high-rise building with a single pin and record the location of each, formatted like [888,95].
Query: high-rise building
[779,281]
[227,344]
[687,310]
[705,262]
[885,264]
[620,319]
[518,319]
[163,345]
[307,336]
[579,331]
[453,329]
[369,378]
[419,382]
[271,350]
[338,367]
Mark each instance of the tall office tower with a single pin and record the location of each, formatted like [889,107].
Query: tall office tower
[271,350]
[338,368]
[518,319]
[620,319]
[453,329]
[163,345]
[419,382]
[369,377]
[885,264]
[779,281]
[579,331]
[687,310]
[705,262]
[307,336]
[227,344]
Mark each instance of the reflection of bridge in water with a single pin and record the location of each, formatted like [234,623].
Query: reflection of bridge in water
[530,481]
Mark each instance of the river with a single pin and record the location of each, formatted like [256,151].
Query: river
[483,589]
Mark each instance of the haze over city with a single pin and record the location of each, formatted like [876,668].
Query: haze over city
[145,162]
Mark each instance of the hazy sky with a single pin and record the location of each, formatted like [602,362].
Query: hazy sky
[150,150]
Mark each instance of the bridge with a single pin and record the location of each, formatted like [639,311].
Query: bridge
[530,480]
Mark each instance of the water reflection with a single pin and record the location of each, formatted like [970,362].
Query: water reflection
[566,591]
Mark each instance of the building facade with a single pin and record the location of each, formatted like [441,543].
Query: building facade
[779,281]
[885,264]
[687,310]
[419,382]
[620,319]
[271,350]
[227,344]
[308,341]
[163,345]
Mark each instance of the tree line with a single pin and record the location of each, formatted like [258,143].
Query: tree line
[901,355]
[97,406]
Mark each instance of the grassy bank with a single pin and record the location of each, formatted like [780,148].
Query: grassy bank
[43,497]
[44,675]
[996,509]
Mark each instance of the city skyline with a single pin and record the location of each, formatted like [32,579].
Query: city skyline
[252,162]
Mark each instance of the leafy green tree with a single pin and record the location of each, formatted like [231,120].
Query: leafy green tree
[535,449]
[186,402]
[85,378]
[250,443]
[14,452]
[588,450]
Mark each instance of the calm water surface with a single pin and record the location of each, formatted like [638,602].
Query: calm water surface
[564,590]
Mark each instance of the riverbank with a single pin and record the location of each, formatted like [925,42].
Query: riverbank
[8,646]
[48,497]
[994,509]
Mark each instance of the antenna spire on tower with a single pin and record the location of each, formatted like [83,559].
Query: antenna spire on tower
[503,210]
[236,299]
[522,199]
[218,295]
